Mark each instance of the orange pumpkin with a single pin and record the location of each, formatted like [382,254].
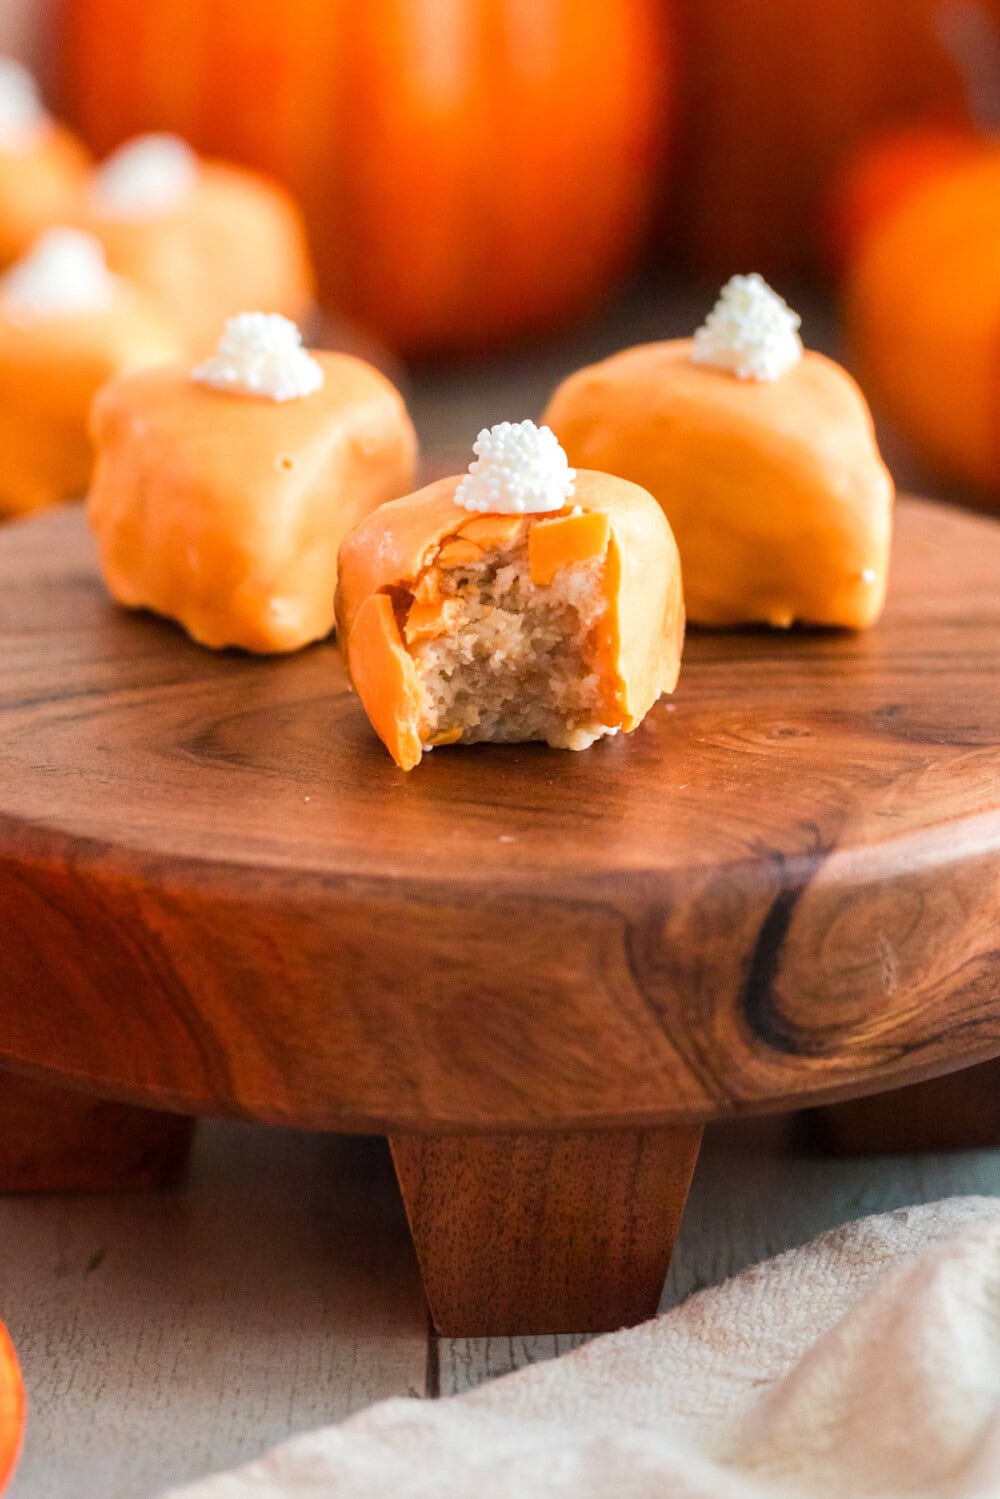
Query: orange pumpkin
[923,314]
[12,1409]
[879,176]
[472,170]
[778,91]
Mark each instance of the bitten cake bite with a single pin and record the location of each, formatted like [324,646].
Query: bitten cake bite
[222,492]
[66,326]
[762,454]
[42,166]
[204,238]
[521,601]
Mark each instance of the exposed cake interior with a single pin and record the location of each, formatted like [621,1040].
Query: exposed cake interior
[501,658]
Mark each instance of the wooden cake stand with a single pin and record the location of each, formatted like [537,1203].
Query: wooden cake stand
[538,973]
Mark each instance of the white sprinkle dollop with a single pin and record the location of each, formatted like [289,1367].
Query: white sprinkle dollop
[751,332]
[22,115]
[520,469]
[148,176]
[261,354]
[64,274]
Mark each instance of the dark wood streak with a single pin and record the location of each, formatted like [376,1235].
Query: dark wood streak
[760,1001]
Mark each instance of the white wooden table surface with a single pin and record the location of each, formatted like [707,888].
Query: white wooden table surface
[166,1334]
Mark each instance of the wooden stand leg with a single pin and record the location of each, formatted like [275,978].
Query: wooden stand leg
[544,1233]
[52,1140]
[957,1112]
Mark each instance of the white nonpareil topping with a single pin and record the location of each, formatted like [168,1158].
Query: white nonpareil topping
[64,274]
[147,176]
[22,116]
[751,332]
[520,469]
[261,354]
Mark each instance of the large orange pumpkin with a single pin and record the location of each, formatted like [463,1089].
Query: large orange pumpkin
[923,313]
[777,91]
[472,170]
[12,1409]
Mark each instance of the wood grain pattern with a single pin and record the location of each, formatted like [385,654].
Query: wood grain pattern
[759,1189]
[52,1140]
[217,893]
[545,1233]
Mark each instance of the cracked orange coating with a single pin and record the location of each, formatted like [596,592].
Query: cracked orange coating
[50,369]
[776,492]
[236,243]
[393,557]
[386,679]
[566,538]
[225,511]
[40,186]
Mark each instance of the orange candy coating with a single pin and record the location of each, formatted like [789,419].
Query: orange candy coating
[775,490]
[394,554]
[386,679]
[225,511]
[50,370]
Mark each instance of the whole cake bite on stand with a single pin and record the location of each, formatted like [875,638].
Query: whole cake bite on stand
[762,454]
[522,601]
[67,325]
[223,490]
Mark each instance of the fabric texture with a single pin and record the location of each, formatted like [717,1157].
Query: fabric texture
[865,1363]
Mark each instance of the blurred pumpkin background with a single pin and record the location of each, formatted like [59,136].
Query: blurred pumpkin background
[512,185]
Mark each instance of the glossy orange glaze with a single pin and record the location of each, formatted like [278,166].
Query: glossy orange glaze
[225,511]
[50,369]
[236,244]
[396,552]
[39,188]
[780,502]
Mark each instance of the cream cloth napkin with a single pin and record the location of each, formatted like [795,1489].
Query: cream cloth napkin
[865,1363]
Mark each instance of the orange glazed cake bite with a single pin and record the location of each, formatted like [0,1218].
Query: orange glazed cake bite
[66,326]
[762,454]
[222,492]
[204,238]
[42,166]
[521,601]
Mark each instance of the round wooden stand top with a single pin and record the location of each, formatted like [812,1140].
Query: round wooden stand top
[217,894]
